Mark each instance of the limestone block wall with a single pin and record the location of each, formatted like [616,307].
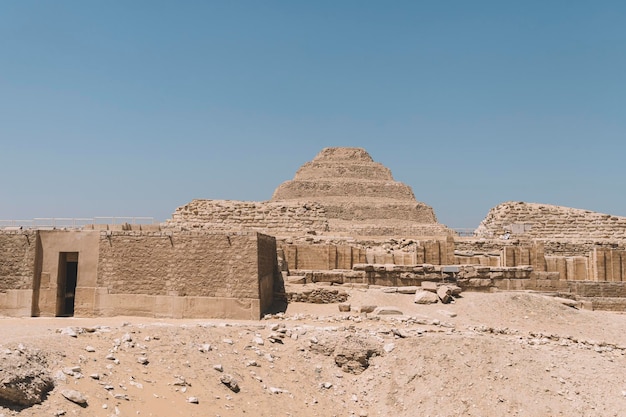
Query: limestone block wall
[269,217]
[345,256]
[544,221]
[569,268]
[17,269]
[185,274]
[322,257]
[468,276]
[608,265]
[17,259]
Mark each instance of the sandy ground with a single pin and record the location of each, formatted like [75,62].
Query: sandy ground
[497,354]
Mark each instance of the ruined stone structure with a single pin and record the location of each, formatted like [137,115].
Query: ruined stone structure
[342,220]
[115,272]
[342,191]
[548,222]
[360,196]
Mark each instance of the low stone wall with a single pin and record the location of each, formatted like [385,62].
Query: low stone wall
[467,276]
[316,295]
[268,217]
[544,221]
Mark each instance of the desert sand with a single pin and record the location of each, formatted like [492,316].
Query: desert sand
[487,354]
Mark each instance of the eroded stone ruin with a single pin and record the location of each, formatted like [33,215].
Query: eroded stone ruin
[342,192]
[342,220]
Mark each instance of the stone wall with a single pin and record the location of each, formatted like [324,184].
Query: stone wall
[268,217]
[344,256]
[220,275]
[389,275]
[544,221]
[17,259]
[322,257]
[17,269]
[135,272]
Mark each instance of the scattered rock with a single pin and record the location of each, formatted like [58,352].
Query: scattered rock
[68,331]
[344,308]
[397,332]
[408,290]
[367,308]
[444,294]
[230,382]
[425,297]
[24,378]
[353,353]
[387,311]
[74,396]
[429,286]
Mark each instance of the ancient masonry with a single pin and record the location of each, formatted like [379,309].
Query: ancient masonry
[342,220]
[342,192]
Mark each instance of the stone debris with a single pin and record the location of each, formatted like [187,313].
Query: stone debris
[447,313]
[353,354]
[445,294]
[316,295]
[387,311]
[230,382]
[367,308]
[399,333]
[411,289]
[425,297]
[68,331]
[74,396]
[24,377]
[344,308]
[193,400]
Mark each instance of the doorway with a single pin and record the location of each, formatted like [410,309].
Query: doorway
[66,283]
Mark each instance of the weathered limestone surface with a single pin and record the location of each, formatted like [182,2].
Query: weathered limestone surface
[359,195]
[544,221]
[186,274]
[342,191]
[17,269]
[269,217]
[17,259]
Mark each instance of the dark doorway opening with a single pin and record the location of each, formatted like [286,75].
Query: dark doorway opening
[66,283]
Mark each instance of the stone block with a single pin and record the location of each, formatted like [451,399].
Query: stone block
[425,297]
[408,290]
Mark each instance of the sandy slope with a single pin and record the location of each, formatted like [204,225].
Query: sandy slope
[501,354]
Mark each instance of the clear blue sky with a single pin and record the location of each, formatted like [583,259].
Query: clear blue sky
[132,108]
